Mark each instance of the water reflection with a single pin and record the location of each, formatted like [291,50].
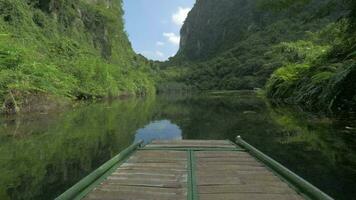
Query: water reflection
[42,156]
[159,130]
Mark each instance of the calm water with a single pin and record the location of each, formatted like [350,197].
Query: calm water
[43,155]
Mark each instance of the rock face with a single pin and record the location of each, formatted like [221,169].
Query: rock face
[83,18]
[214,26]
[236,44]
[212,22]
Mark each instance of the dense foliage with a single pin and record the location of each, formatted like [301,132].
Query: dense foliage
[325,80]
[308,46]
[66,49]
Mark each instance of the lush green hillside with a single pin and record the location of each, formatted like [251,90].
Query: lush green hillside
[238,44]
[321,80]
[60,49]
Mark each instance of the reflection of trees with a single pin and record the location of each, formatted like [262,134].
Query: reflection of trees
[318,133]
[313,147]
[218,116]
[56,155]
[55,152]
[317,148]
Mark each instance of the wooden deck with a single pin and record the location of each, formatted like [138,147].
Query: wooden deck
[187,169]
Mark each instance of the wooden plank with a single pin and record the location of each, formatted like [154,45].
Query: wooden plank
[188,146]
[152,170]
[220,175]
[235,155]
[245,188]
[191,144]
[213,142]
[156,175]
[230,167]
[233,172]
[236,162]
[133,195]
[155,153]
[157,190]
[155,178]
[242,178]
[249,196]
[212,153]
[146,183]
[237,175]
[156,165]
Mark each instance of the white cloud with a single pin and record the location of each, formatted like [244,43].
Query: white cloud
[146,53]
[179,17]
[159,43]
[159,54]
[172,38]
[154,55]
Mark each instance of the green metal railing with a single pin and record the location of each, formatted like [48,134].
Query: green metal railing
[79,190]
[299,183]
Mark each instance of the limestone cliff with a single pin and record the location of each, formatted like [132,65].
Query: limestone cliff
[66,48]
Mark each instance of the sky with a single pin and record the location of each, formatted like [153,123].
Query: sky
[153,26]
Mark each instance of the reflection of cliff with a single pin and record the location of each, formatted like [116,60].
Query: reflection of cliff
[57,155]
[218,115]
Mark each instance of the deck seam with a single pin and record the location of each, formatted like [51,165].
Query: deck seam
[192,185]
[193,149]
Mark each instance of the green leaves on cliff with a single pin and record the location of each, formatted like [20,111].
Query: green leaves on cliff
[76,49]
[324,81]
[280,4]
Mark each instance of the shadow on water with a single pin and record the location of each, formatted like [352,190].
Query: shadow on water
[41,156]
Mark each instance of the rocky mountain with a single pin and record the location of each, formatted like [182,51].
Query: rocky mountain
[300,52]
[214,26]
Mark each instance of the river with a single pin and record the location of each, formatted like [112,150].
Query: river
[41,155]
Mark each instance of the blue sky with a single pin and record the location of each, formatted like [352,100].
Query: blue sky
[153,25]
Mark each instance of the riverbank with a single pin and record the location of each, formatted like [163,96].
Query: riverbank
[45,103]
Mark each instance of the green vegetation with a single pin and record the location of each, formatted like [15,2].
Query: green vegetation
[324,79]
[43,155]
[301,52]
[66,50]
